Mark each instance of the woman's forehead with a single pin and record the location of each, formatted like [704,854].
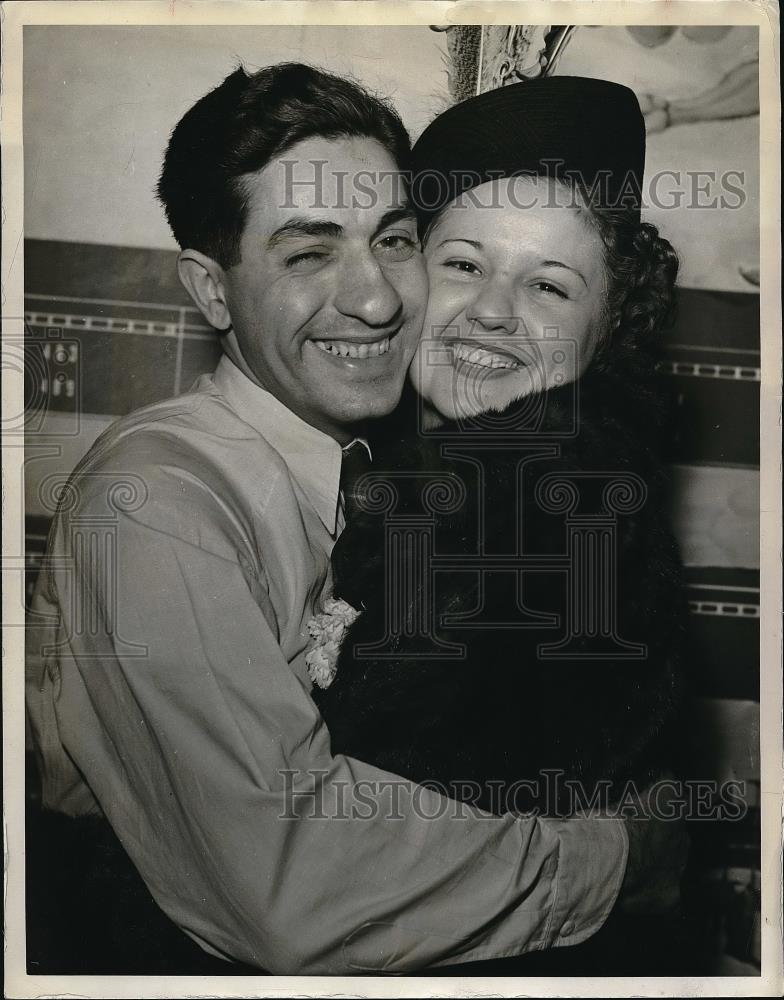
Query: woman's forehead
[516,214]
[524,190]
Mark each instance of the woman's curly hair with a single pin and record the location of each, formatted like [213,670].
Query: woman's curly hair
[642,268]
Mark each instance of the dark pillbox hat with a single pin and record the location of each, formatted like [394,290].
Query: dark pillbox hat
[567,127]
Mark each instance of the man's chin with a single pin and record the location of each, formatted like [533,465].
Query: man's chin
[373,409]
[357,400]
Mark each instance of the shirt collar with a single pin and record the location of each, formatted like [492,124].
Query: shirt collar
[362,441]
[313,458]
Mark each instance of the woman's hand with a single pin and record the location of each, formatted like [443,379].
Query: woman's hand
[658,851]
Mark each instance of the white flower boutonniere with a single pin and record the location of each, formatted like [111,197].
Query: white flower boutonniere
[326,632]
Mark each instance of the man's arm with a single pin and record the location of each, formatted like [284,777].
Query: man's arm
[198,740]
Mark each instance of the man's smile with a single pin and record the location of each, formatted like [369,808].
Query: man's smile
[367,348]
[359,349]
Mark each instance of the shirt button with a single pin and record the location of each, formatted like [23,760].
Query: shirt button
[567,928]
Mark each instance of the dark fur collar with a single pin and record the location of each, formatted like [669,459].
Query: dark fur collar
[503,713]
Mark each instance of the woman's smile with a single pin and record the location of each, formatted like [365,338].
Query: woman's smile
[477,355]
[517,301]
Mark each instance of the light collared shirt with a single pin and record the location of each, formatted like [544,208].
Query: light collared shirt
[167,688]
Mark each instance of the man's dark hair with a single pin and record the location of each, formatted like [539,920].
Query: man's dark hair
[244,123]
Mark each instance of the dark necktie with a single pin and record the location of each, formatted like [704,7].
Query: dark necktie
[356,462]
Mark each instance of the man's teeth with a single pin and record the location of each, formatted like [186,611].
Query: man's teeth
[346,350]
[485,359]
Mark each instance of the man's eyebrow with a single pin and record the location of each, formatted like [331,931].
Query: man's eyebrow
[299,226]
[560,263]
[395,215]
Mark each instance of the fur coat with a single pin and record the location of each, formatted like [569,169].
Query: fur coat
[503,726]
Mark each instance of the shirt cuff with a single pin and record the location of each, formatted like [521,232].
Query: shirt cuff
[592,860]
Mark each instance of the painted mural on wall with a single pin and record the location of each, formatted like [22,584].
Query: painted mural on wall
[699,91]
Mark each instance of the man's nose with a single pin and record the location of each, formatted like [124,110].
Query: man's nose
[366,294]
[494,308]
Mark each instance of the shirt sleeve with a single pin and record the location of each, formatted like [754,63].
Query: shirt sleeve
[166,686]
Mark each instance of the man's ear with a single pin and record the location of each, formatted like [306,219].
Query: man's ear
[203,280]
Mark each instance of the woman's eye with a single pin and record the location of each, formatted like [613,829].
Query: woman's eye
[464,266]
[546,286]
[396,247]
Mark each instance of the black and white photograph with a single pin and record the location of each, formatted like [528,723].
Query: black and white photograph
[392,499]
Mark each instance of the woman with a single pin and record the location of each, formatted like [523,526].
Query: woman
[541,413]
[545,559]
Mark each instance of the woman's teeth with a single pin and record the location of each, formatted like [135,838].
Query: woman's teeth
[346,350]
[485,359]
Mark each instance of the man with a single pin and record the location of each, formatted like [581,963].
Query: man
[167,688]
